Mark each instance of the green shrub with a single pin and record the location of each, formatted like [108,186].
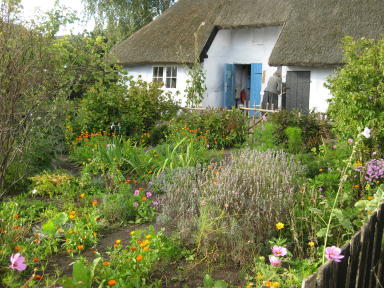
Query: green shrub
[314,129]
[358,89]
[230,208]
[264,136]
[295,140]
[50,184]
[220,129]
[128,109]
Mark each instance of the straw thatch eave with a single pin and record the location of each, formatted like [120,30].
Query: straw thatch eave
[312,35]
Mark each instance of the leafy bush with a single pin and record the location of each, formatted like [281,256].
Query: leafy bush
[128,108]
[264,136]
[220,129]
[295,140]
[50,184]
[314,129]
[231,207]
[358,89]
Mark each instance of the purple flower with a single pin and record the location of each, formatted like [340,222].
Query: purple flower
[374,153]
[137,192]
[334,147]
[274,261]
[279,251]
[135,204]
[155,203]
[264,118]
[333,253]
[150,183]
[350,140]
[148,194]
[17,262]
[321,189]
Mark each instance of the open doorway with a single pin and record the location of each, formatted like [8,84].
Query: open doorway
[242,84]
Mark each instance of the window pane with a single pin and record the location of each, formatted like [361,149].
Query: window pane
[169,71]
[160,72]
[173,84]
[168,83]
[155,71]
[174,71]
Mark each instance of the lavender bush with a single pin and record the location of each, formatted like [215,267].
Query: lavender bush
[375,170]
[231,206]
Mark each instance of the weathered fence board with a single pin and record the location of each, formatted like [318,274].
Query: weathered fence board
[363,262]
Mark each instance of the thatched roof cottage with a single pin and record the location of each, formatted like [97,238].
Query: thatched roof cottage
[241,43]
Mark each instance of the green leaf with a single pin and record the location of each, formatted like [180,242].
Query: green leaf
[81,274]
[49,228]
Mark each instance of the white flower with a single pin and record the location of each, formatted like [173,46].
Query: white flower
[34,191]
[366,133]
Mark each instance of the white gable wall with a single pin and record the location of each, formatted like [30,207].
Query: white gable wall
[237,46]
[145,72]
[318,94]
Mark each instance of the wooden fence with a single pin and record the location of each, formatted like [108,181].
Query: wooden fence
[363,262]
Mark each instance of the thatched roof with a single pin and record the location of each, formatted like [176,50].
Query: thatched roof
[311,34]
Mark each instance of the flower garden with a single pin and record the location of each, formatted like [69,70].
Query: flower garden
[113,185]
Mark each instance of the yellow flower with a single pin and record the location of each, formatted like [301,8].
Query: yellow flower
[358,164]
[82,195]
[259,276]
[133,232]
[275,284]
[311,244]
[145,249]
[118,241]
[370,198]
[148,236]
[279,226]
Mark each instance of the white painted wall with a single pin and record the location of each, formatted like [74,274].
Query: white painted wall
[146,73]
[318,94]
[237,46]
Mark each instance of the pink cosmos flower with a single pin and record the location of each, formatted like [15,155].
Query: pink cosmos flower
[350,140]
[264,118]
[279,251]
[150,183]
[155,203]
[333,253]
[274,261]
[334,147]
[17,262]
[137,192]
[148,194]
[135,204]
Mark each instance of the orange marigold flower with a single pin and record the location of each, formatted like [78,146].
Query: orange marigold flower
[72,213]
[94,202]
[71,216]
[69,251]
[275,284]
[111,282]
[82,195]
[35,259]
[94,234]
[106,263]
[17,248]
[145,249]
[17,216]
[370,198]
[268,284]
[37,277]
[80,247]
[141,188]
[60,230]
[139,258]
[144,199]
[133,248]
[357,186]
[210,167]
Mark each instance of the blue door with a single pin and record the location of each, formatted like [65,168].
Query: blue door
[255,97]
[229,85]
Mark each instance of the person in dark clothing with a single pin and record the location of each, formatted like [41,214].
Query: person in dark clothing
[271,92]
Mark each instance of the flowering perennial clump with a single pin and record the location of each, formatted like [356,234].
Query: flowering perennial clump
[375,170]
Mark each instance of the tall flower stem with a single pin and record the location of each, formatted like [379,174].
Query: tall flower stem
[343,178]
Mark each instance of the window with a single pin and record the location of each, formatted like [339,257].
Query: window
[169,78]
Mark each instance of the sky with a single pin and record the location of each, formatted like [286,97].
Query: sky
[33,8]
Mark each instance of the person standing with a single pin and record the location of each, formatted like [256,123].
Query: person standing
[272,91]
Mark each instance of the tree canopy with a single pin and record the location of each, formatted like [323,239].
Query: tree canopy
[118,19]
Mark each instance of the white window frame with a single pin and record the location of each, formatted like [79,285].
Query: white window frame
[165,77]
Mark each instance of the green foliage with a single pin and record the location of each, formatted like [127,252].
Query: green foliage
[50,184]
[219,129]
[195,90]
[295,140]
[314,129]
[263,137]
[358,89]
[118,19]
[209,282]
[128,110]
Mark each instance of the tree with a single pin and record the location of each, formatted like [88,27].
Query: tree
[118,19]
[358,89]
